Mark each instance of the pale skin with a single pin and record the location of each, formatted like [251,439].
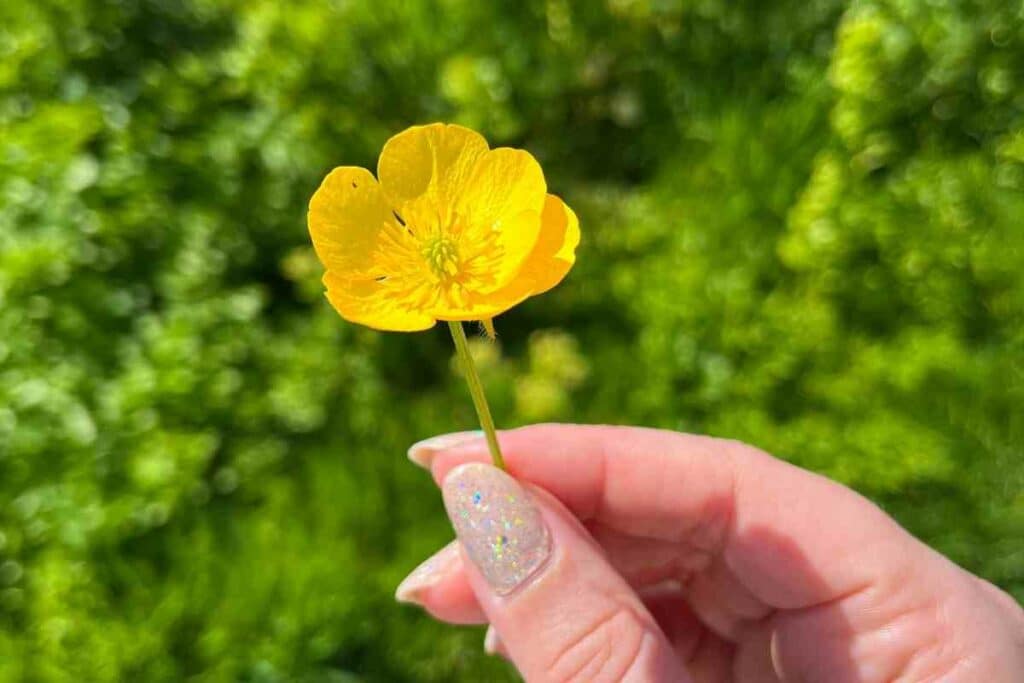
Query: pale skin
[687,558]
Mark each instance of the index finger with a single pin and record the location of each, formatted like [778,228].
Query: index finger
[793,538]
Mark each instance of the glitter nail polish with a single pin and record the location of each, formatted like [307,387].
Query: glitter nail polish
[497,523]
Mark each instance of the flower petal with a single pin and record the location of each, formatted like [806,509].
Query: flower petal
[553,255]
[555,252]
[475,307]
[504,182]
[499,216]
[436,159]
[369,303]
[347,215]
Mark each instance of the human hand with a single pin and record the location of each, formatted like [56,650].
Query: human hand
[645,555]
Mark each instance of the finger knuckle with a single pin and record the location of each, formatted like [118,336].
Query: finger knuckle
[606,648]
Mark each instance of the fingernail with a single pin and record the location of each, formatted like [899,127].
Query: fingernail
[497,523]
[428,574]
[423,452]
[492,643]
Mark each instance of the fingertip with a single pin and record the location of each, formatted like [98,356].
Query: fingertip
[531,453]
[428,574]
[493,645]
[440,587]
[444,461]
[422,453]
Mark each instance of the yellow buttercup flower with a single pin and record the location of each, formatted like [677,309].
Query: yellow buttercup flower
[452,230]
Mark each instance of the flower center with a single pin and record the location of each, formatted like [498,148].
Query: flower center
[442,256]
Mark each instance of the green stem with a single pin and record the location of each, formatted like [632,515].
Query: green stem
[476,390]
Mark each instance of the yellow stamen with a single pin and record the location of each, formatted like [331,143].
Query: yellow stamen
[442,256]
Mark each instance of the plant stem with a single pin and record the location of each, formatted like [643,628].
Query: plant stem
[476,390]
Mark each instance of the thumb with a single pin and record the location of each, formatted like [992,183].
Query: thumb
[560,610]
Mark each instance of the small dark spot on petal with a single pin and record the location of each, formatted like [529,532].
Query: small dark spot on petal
[398,218]
[354,184]
[381,278]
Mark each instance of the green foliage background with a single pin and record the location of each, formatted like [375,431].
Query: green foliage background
[803,227]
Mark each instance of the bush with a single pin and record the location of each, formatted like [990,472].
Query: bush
[802,228]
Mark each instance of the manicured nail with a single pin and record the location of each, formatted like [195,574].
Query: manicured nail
[497,523]
[423,452]
[428,574]
[492,643]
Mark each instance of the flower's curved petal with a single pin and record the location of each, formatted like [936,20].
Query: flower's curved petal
[498,215]
[555,252]
[493,257]
[471,306]
[436,159]
[370,303]
[347,216]
[552,256]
